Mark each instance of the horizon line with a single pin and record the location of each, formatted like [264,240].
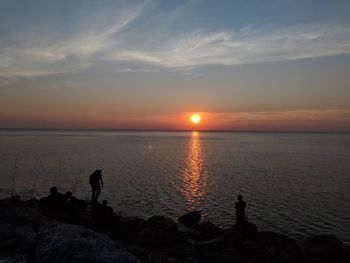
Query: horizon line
[165,130]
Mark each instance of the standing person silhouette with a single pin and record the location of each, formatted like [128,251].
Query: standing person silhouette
[94,181]
[240,211]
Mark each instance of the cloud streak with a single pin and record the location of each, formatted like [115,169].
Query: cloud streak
[124,43]
[296,120]
[248,46]
[53,54]
[288,120]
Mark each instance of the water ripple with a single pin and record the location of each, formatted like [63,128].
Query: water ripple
[293,183]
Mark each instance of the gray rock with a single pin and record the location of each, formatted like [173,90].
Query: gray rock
[155,238]
[219,256]
[314,260]
[150,256]
[59,242]
[182,252]
[209,229]
[246,249]
[13,258]
[23,216]
[126,228]
[322,245]
[8,238]
[19,239]
[5,202]
[192,260]
[271,245]
[162,222]
[26,239]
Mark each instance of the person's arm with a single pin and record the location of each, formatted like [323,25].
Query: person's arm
[101,181]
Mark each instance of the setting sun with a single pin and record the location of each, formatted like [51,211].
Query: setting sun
[195,118]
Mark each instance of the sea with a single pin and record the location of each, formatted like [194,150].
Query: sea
[293,183]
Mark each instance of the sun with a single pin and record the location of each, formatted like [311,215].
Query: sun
[196,118]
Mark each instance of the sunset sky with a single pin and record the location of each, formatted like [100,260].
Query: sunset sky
[243,65]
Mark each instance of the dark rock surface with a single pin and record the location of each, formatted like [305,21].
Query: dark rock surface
[152,237]
[208,229]
[58,242]
[28,236]
[17,239]
[13,258]
[126,228]
[162,222]
[322,245]
[190,218]
[22,216]
[273,246]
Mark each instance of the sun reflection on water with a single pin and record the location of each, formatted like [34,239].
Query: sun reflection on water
[193,175]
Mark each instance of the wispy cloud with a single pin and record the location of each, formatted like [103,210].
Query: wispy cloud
[304,120]
[123,43]
[66,84]
[52,54]
[3,82]
[246,46]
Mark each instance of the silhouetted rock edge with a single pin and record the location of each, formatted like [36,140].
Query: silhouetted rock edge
[27,235]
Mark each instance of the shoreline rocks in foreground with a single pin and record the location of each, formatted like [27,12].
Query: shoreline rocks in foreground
[91,233]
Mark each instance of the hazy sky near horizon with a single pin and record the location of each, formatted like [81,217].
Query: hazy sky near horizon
[244,65]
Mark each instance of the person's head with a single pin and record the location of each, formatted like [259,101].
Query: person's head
[53,190]
[240,198]
[69,194]
[98,172]
[104,202]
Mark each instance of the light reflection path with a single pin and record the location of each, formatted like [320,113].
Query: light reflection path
[193,175]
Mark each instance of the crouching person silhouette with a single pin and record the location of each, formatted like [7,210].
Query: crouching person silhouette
[94,181]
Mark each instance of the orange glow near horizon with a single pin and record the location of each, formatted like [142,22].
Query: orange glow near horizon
[196,118]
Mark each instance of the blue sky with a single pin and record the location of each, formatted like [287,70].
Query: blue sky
[145,63]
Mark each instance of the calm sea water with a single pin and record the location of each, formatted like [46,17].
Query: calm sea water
[294,183]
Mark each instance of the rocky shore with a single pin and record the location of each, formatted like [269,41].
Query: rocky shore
[92,233]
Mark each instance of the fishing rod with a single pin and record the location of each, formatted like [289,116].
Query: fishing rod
[14,176]
[36,179]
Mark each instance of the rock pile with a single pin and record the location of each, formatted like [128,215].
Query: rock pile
[26,235]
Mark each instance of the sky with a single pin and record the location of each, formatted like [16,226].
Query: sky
[262,65]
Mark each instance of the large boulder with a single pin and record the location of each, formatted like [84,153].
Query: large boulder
[190,218]
[26,239]
[243,233]
[209,229]
[250,231]
[17,239]
[5,202]
[13,258]
[32,203]
[246,249]
[224,256]
[152,237]
[126,228]
[162,222]
[146,255]
[23,216]
[270,245]
[58,242]
[266,239]
[79,216]
[181,252]
[8,238]
[322,245]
